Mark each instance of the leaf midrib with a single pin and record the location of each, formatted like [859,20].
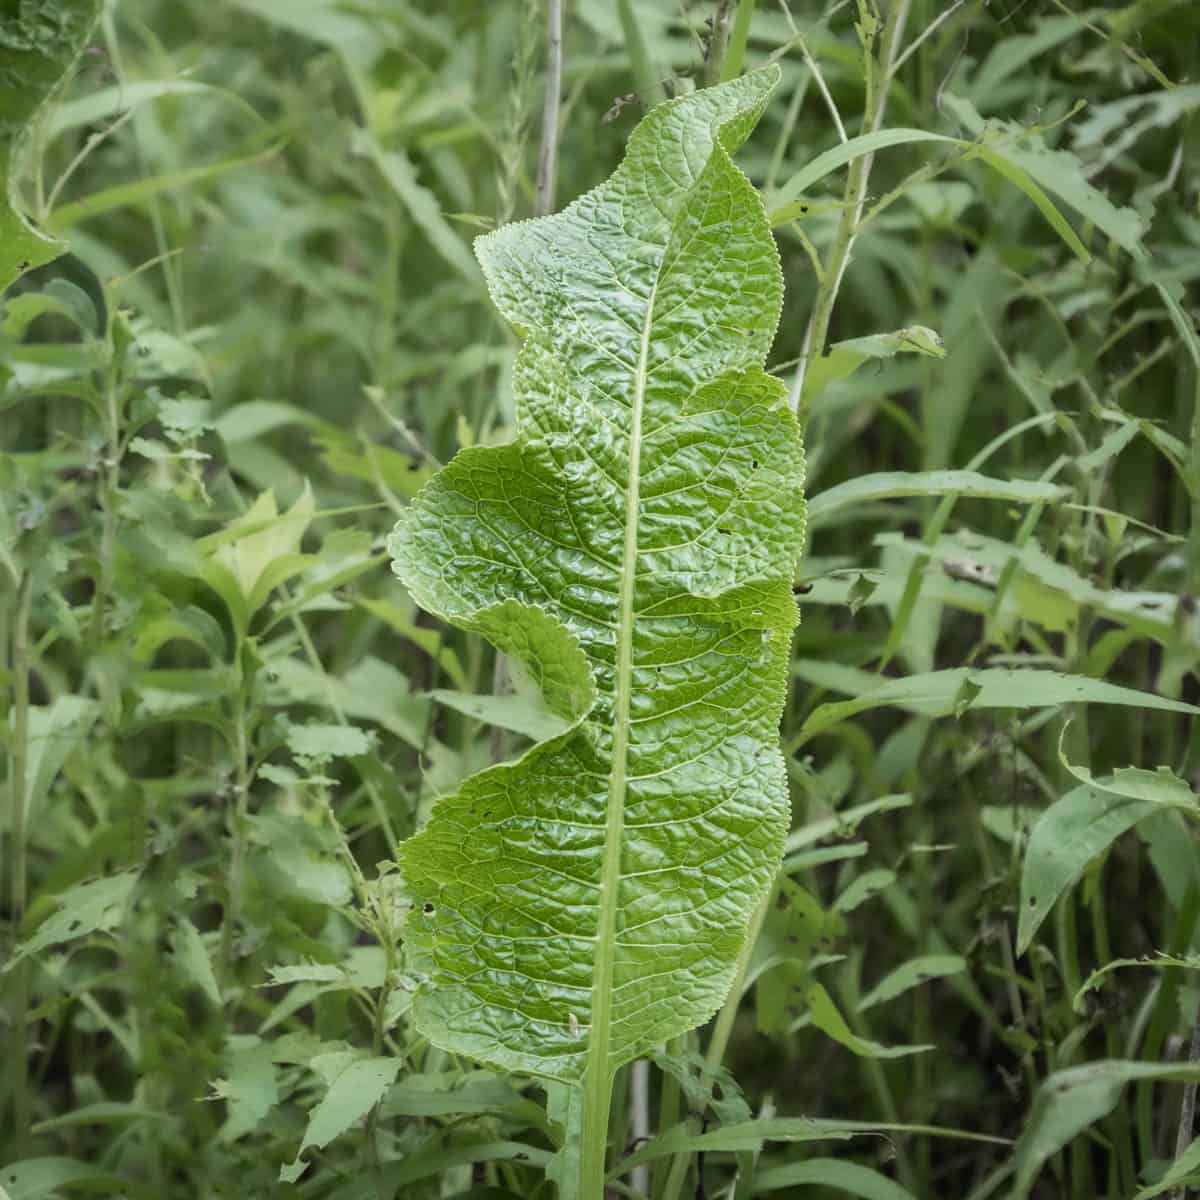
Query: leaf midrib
[596,1074]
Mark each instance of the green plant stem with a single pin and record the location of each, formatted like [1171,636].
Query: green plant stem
[639,1119]
[852,205]
[718,43]
[1187,1108]
[723,1027]
[310,651]
[18,802]
[722,1030]
[644,76]
[668,1115]
[109,480]
[547,176]
[238,819]
[1163,1018]
[597,1102]
[735,52]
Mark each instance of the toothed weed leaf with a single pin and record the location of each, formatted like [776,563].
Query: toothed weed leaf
[633,548]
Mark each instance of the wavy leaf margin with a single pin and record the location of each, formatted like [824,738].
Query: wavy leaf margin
[634,548]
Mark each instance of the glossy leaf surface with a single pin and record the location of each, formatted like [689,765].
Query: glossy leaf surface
[39,43]
[634,549]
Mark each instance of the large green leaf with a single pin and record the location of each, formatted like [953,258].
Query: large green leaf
[39,43]
[634,547]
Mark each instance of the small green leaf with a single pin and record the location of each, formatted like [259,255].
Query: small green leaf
[191,955]
[353,1091]
[306,973]
[516,713]
[257,541]
[139,191]
[317,743]
[41,1179]
[1159,962]
[910,975]
[372,690]
[396,167]
[967,695]
[847,152]
[861,590]
[844,358]
[1068,835]
[93,907]
[55,730]
[106,104]
[185,415]
[862,888]
[299,859]
[889,485]
[1069,1101]
[1183,1170]
[823,1013]
[250,1087]
[836,1174]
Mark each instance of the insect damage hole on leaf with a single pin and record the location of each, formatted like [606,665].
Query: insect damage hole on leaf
[595,893]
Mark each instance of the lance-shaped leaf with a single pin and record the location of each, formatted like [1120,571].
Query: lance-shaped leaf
[39,43]
[634,547]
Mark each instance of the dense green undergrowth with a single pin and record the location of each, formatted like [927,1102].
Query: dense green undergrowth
[224,714]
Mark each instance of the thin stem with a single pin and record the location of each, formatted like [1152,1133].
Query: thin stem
[649,86]
[90,144]
[1162,1020]
[237,821]
[722,1030]
[18,803]
[927,32]
[815,71]
[1187,1108]
[110,474]
[668,1115]
[310,651]
[548,155]
[855,198]
[639,1123]
[718,43]
[735,53]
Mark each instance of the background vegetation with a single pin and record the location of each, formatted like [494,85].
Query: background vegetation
[222,711]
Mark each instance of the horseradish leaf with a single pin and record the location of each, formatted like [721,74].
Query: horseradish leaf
[634,548]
